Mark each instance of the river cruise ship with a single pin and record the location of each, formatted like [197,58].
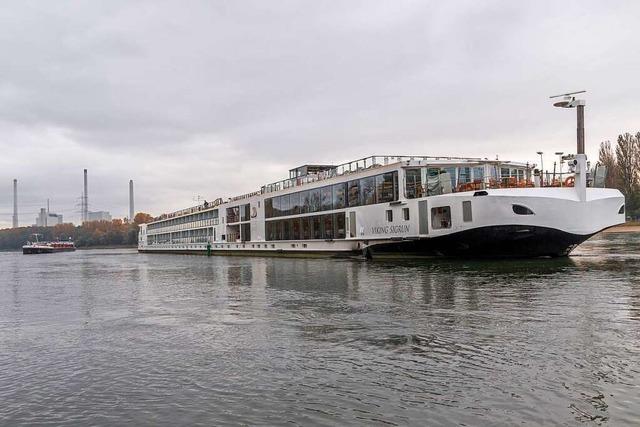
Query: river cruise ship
[399,206]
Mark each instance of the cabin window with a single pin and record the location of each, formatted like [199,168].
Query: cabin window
[413,184]
[294,202]
[466,211]
[354,193]
[522,210]
[405,214]
[389,215]
[386,187]
[441,217]
[326,198]
[368,190]
[621,210]
[339,194]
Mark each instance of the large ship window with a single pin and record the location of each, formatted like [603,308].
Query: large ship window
[306,227]
[233,214]
[464,175]
[315,200]
[295,229]
[478,173]
[285,206]
[441,217]
[245,212]
[368,190]
[326,198]
[413,184]
[452,177]
[339,224]
[327,226]
[317,226]
[354,193]
[339,195]
[305,201]
[245,232]
[386,187]
[276,207]
[294,202]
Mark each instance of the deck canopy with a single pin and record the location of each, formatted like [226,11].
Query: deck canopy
[305,170]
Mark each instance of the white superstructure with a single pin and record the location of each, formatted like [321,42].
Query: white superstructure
[396,205]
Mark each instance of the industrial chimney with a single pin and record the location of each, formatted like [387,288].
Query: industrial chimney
[15,203]
[85,200]
[131,210]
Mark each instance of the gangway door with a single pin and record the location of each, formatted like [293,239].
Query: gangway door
[423,217]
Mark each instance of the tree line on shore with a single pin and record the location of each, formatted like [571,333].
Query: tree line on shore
[116,232]
[623,169]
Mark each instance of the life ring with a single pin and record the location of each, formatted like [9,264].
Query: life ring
[570,181]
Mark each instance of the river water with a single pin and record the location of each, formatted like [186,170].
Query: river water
[112,337]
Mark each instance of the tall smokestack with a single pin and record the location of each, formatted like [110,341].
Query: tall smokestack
[15,203]
[131,210]
[85,200]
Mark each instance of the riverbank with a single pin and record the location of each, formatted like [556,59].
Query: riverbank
[629,227]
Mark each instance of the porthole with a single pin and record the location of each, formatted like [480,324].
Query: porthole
[522,210]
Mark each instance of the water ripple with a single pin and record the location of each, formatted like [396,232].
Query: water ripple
[113,337]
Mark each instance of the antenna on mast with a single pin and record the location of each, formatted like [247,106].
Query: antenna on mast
[567,94]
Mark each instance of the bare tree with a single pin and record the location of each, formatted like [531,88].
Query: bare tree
[628,160]
[607,158]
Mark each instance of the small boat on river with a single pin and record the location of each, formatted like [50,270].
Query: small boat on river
[38,247]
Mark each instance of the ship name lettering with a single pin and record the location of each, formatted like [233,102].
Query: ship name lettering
[390,229]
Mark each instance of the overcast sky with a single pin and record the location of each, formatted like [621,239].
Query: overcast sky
[216,98]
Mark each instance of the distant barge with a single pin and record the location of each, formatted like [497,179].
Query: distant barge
[38,247]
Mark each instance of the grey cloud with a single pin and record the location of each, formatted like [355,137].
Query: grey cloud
[216,98]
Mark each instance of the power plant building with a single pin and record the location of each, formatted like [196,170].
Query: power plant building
[98,216]
[47,219]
